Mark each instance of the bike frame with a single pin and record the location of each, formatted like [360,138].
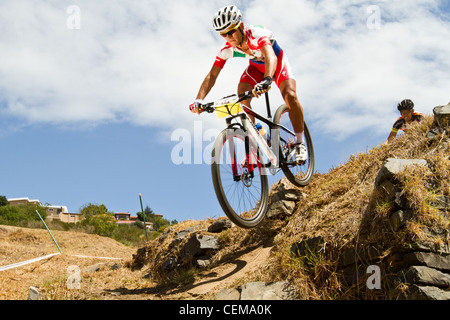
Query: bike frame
[249,126]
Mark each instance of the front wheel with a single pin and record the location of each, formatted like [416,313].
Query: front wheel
[239,178]
[298,174]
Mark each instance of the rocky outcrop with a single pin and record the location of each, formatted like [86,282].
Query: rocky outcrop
[281,290]
[220,225]
[442,116]
[424,267]
[283,200]
[192,247]
[392,167]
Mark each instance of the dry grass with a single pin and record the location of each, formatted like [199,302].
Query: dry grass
[344,208]
[21,244]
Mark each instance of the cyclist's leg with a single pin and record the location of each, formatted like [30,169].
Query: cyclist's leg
[249,79]
[289,93]
[285,79]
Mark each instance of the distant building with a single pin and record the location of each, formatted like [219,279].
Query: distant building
[122,216]
[60,213]
[17,201]
[126,218]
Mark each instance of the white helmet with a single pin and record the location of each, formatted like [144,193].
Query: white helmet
[226,17]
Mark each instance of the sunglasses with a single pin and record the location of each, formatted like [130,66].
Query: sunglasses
[231,32]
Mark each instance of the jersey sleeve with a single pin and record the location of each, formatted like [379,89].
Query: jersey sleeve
[219,62]
[398,124]
[259,36]
[226,53]
[419,116]
[263,41]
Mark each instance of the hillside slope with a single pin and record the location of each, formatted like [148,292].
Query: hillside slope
[327,234]
[321,239]
[345,223]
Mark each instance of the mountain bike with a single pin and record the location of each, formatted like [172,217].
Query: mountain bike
[242,157]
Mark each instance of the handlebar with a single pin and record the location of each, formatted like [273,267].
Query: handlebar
[208,107]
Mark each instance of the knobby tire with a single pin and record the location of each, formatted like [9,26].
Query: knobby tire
[241,188]
[298,175]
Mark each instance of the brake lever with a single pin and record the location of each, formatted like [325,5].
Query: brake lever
[206,108]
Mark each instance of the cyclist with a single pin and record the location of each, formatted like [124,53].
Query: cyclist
[408,117]
[268,64]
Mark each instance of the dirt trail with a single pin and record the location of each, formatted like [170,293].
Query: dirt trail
[225,275]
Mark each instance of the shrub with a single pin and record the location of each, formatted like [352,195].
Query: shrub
[20,215]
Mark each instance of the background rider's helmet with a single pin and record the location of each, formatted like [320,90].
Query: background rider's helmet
[405,105]
[226,17]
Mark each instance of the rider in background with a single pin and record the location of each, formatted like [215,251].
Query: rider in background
[408,117]
[268,64]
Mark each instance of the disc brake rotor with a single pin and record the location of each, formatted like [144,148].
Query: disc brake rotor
[247,179]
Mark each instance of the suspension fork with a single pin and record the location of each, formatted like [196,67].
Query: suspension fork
[248,159]
[234,165]
[232,149]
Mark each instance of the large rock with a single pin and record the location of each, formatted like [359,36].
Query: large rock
[199,245]
[399,219]
[442,116]
[34,294]
[440,248]
[423,275]
[282,208]
[416,292]
[184,233]
[284,190]
[268,291]
[283,199]
[393,166]
[281,290]
[220,225]
[433,260]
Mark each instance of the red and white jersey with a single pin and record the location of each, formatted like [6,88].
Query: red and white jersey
[257,37]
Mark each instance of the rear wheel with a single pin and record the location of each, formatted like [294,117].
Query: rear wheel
[298,174]
[240,182]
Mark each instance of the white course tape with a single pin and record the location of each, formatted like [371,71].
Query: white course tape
[23,263]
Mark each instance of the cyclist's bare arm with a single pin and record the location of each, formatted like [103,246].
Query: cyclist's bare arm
[270,64]
[209,82]
[392,135]
[270,60]
[205,88]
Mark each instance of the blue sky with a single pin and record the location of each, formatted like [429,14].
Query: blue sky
[91,95]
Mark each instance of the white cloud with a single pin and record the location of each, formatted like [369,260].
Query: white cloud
[348,71]
[143,61]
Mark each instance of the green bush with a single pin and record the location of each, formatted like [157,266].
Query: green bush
[21,214]
[100,218]
[130,235]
